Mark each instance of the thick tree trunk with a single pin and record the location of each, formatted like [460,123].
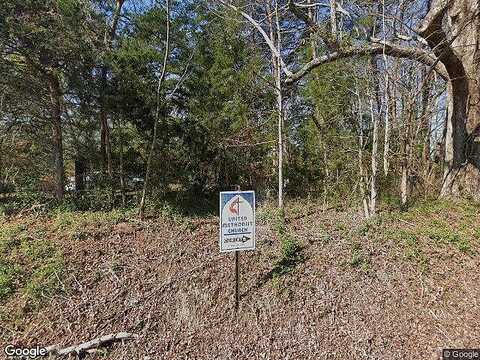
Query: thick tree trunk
[55,99]
[460,57]
[465,19]
[455,141]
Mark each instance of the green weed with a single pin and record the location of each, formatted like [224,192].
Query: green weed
[414,252]
[357,259]
[446,235]
[28,263]
[45,280]
[291,250]
[8,275]
[76,221]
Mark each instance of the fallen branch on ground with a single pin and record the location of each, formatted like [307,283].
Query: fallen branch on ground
[92,344]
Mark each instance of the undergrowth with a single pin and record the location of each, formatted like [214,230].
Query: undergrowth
[30,264]
[291,251]
[358,258]
[443,222]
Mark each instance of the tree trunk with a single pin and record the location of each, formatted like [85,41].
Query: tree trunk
[55,99]
[386,144]
[105,147]
[313,18]
[363,178]
[333,19]
[373,181]
[426,131]
[80,174]
[462,178]
[461,60]
[405,151]
[105,143]
[157,114]
[375,120]
[275,38]
[280,139]
[121,166]
[278,86]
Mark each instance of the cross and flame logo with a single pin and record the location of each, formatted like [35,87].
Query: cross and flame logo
[235,206]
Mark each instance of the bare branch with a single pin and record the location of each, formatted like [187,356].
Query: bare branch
[330,39]
[89,345]
[339,7]
[374,49]
[267,39]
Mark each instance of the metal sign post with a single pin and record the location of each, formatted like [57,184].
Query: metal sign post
[237,227]
[237,286]
[237,270]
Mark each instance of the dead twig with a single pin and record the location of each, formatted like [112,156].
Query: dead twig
[406,222]
[55,350]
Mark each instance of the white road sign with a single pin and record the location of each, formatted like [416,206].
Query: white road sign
[237,220]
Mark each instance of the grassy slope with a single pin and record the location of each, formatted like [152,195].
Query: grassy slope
[404,284]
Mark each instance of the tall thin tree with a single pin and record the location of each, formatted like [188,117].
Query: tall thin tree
[161,79]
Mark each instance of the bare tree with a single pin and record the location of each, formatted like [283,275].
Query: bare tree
[363,178]
[278,87]
[405,150]
[274,42]
[374,160]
